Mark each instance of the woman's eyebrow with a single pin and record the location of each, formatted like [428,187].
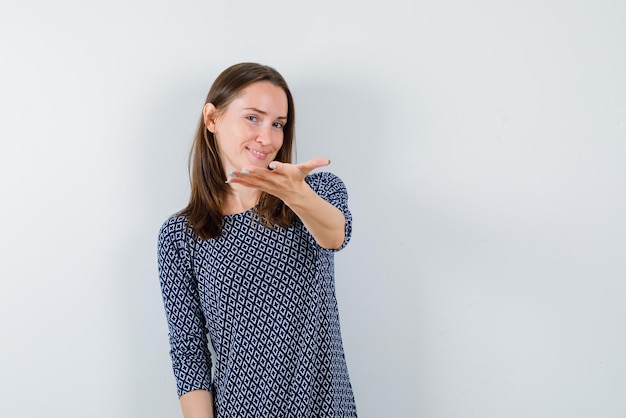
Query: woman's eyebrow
[262,112]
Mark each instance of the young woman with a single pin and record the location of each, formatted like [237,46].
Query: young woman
[249,262]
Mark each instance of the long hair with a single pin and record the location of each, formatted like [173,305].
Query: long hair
[206,172]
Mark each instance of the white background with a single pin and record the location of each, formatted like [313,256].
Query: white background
[483,144]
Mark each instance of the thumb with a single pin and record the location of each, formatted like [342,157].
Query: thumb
[313,163]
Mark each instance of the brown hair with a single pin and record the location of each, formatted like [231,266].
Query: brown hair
[207,177]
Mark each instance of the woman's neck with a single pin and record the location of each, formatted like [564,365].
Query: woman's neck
[240,199]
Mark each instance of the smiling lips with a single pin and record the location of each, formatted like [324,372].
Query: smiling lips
[257,154]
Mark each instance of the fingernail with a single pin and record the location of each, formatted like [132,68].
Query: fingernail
[328,161]
[231,174]
[244,172]
[272,166]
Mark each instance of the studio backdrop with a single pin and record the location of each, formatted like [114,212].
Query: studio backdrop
[483,145]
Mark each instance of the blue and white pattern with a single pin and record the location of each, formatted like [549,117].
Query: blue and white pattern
[266,299]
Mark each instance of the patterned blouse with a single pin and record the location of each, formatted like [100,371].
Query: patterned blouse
[264,300]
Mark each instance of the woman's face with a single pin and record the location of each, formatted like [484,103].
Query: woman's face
[249,132]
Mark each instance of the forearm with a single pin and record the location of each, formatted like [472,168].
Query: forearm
[197,404]
[286,181]
[324,221]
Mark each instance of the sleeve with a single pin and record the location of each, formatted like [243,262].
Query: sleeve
[330,188]
[191,359]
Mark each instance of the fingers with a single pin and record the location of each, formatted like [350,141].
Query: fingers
[295,172]
[252,177]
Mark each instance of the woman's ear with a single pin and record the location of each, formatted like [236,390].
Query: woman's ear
[209,112]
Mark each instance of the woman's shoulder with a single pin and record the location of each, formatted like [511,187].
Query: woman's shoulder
[174,229]
[324,180]
[175,221]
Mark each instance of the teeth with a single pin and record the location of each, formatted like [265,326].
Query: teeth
[262,154]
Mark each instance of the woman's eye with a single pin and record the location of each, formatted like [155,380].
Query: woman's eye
[252,118]
[278,125]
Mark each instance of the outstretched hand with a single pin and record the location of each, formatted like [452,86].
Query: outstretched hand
[282,180]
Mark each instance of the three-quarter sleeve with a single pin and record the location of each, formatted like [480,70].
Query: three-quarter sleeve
[330,188]
[191,359]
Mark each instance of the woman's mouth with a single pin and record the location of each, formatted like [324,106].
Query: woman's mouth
[257,154]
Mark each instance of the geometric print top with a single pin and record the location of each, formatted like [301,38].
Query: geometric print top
[264,299]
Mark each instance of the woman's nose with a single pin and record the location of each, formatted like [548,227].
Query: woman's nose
[264,135]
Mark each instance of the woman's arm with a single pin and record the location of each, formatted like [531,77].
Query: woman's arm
[191,359]
[324,221]
[197,404]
